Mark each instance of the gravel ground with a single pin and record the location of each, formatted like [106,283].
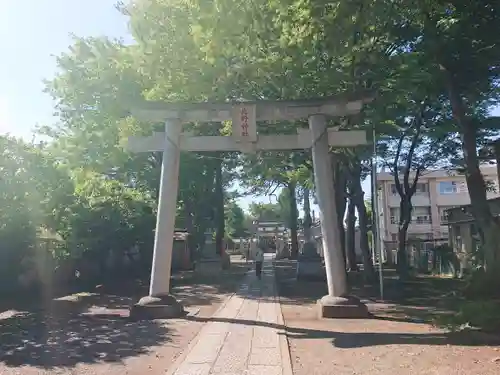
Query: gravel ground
[387,344]
[90,334]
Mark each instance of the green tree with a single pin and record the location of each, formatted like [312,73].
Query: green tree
[106,220]
[458,43]
[93,129]
[288,209]
[265,211]
[235,221]
[19,210]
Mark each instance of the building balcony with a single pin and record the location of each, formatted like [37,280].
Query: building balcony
[413,228]
[453,199]
[393,200]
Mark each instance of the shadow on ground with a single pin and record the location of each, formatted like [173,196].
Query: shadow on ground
[424,299]
[293,292]
[348,340]
[55,339]
[91,327]
[192,288]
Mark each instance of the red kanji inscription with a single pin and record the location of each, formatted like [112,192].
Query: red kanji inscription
[244,122]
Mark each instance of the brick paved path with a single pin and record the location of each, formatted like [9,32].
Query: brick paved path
[244,337]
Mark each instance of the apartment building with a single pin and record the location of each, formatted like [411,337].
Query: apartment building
[436,191]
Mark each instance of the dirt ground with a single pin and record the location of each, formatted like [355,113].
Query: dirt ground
[397,340]
[90,333]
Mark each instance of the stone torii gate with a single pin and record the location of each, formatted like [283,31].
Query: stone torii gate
[244,116]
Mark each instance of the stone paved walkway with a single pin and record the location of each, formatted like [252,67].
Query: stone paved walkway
[244,337]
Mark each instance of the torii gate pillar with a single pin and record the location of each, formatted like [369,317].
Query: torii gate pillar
[160,303]
[337,304]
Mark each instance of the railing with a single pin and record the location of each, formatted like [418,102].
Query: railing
[425,219]
[422,257]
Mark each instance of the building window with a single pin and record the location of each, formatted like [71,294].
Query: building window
[443,214]
[452,187]
[421,215]
[394,215]
[423,219]
[421,188]
[448,187]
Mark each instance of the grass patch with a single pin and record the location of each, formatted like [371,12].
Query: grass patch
[479,314]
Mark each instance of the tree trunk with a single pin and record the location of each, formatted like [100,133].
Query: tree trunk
[497,159]
[357,195]
[406,209]
[351,237]
[219,210]
[406,190]
[307,216]
[475,182]
[294,251]
[402,257]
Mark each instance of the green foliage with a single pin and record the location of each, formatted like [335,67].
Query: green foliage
[369,213]
[481,314]
[89,215]
[266,211]
[279,211]
[18,209]
[481,285]
[285,205]
[108,218]
[236,223]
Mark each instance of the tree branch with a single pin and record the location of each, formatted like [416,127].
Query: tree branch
[417,124]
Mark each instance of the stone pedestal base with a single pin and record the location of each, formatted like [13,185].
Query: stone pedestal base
[342,308]
[310,270]
[208,266]
[164,307]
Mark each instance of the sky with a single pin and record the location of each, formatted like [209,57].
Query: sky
[32,34]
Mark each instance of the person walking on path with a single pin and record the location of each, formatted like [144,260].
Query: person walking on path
[259,259]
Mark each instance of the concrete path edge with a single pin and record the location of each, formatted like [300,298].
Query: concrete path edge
[286,359]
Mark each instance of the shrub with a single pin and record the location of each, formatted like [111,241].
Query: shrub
[106,220]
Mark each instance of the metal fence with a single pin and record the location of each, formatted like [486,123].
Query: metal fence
[423,256]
